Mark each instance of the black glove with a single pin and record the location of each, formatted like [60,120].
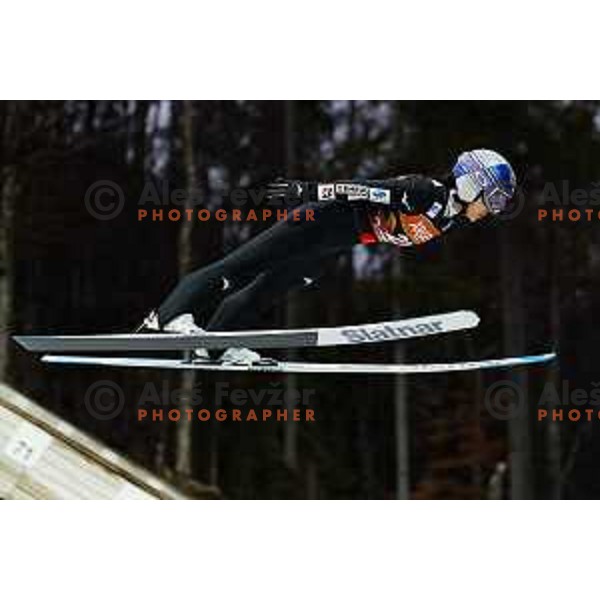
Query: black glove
[287,191]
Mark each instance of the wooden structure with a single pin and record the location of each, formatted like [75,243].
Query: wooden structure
[44,457]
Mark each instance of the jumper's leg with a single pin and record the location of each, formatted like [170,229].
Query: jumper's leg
[332,226]
[243,308]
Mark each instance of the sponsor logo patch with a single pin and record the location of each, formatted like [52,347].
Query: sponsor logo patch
[353,191]
[326,191]
[383,228]
[379,195]
[434,210]
[419,228]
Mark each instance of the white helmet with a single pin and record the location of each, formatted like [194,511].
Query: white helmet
[485,174]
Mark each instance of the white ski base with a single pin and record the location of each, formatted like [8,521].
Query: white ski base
[301,367]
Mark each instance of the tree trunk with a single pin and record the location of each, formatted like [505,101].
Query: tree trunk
[553,430]
[183,465]
[401,414]
[7,207]
[519,426]
[290,444]
[6,262]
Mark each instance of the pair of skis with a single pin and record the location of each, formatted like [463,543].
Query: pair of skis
[54,346]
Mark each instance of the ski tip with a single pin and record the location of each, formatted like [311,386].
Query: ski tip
[470,317]
[538,358]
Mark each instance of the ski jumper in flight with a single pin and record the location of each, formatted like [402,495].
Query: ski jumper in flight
[407,211]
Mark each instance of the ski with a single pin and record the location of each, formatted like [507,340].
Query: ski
[268,338]
[301,367]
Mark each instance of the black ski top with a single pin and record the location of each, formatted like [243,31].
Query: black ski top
[410,210]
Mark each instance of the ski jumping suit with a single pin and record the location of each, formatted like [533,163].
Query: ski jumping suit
[408,211]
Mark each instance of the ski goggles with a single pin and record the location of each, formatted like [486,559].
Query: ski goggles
[477,185]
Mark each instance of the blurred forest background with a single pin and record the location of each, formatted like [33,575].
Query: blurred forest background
[62,270]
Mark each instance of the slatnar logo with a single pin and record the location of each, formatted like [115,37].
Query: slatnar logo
[389,332]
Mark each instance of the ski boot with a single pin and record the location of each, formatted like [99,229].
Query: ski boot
[244,357]
[184,324]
